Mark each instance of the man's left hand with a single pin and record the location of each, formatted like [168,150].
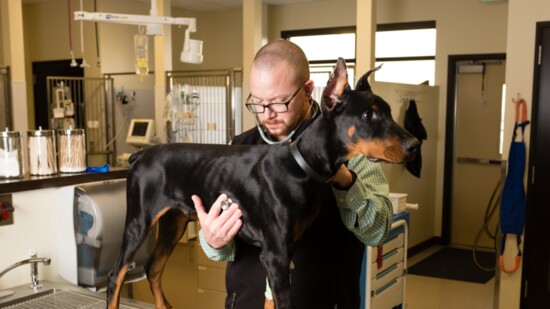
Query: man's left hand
[343,177]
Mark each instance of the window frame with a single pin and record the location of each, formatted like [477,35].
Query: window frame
[430,24]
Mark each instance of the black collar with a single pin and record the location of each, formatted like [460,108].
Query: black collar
[303,164]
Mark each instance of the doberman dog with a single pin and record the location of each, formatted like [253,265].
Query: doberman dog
[162,179]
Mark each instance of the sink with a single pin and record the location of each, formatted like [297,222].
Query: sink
[59,296]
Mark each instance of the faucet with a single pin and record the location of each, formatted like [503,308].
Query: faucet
[33,261]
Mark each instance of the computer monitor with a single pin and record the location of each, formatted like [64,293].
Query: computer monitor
[140,132]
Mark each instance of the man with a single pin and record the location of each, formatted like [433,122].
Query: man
[355,209]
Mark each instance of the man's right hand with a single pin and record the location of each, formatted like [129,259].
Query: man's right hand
[218,227]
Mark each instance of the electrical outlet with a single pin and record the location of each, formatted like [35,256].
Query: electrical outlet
[6,210]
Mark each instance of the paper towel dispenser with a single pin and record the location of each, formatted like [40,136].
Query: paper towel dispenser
[98,217]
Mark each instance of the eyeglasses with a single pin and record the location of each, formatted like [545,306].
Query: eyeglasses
[276,107]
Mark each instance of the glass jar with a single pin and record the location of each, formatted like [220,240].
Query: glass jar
[11,155]
[41,144]
[71,145]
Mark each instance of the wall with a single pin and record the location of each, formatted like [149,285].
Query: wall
[420,190]
[34,227]
[520,50]
[221,33]
[3,33]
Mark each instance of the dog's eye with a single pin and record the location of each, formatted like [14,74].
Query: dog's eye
[368,115]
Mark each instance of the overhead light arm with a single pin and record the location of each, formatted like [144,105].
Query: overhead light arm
[192,49]
[140,20]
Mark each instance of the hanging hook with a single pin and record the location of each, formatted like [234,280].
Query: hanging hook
[518,98]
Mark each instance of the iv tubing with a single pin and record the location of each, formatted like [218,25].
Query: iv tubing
[84,64]
[96,38]
[73,61]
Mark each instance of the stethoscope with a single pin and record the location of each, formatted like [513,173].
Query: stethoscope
[268,140]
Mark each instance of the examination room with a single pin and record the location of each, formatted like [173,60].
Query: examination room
[119,117]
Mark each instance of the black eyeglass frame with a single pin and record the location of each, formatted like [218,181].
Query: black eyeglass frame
[252,106]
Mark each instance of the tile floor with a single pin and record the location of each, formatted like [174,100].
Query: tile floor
[434,293]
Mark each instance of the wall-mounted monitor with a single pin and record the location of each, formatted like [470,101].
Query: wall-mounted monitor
[140,132]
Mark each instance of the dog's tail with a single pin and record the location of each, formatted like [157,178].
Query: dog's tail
[134,157]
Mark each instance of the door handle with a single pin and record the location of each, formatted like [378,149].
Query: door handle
[483,161]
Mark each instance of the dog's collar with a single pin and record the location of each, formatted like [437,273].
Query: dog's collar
[305,167]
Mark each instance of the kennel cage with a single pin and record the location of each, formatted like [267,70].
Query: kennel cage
[210,112]
[85,103]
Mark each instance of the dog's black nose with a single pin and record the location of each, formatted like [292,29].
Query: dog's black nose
[412,145]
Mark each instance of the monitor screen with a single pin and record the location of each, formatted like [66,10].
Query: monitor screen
[140,132]
[140,128]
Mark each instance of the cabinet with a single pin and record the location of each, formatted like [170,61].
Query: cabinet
[384,269]
[210,282]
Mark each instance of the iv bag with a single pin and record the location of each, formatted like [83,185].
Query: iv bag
[141,43]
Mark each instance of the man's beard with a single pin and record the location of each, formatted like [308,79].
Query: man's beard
[282,129]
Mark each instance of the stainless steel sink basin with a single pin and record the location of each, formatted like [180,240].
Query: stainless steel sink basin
[58,296]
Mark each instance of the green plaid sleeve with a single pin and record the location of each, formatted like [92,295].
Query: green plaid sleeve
[226,253]
[365,208]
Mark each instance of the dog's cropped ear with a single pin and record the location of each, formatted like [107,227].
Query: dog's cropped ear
[363,82]
[336,85]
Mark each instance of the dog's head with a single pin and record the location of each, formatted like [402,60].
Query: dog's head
[363,120]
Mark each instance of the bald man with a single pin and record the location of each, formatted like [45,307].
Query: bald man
[355,208]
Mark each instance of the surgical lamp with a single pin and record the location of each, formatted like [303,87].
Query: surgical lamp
[192,49]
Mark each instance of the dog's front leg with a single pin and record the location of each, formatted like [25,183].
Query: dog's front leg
[276,263]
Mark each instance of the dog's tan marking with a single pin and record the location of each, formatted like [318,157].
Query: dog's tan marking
[157,217]
[120,280]
[389,149]
[269,304]
[155,275]
[161,256]
[351,132]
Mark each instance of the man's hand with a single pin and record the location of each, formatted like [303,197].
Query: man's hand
[343,177]
[218,227]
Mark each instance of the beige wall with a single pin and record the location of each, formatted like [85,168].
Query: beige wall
[3,33]
[222,36]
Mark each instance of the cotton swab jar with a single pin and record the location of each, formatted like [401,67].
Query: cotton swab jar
[71,145]
[42,160]
[11,155]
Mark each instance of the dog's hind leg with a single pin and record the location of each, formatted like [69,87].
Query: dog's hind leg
[277,265]
[171,227]
[135,233]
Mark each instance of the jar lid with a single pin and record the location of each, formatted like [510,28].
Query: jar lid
[40,132]
[71,132]
[10,133]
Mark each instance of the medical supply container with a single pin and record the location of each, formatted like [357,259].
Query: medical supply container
[11,155]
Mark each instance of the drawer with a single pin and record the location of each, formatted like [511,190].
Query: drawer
[208,299]
[392,243]
[388,259]
[388,296]
[212,278]
[388,275]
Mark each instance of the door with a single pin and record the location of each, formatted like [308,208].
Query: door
[536,266]
[472,152]
[477,169]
